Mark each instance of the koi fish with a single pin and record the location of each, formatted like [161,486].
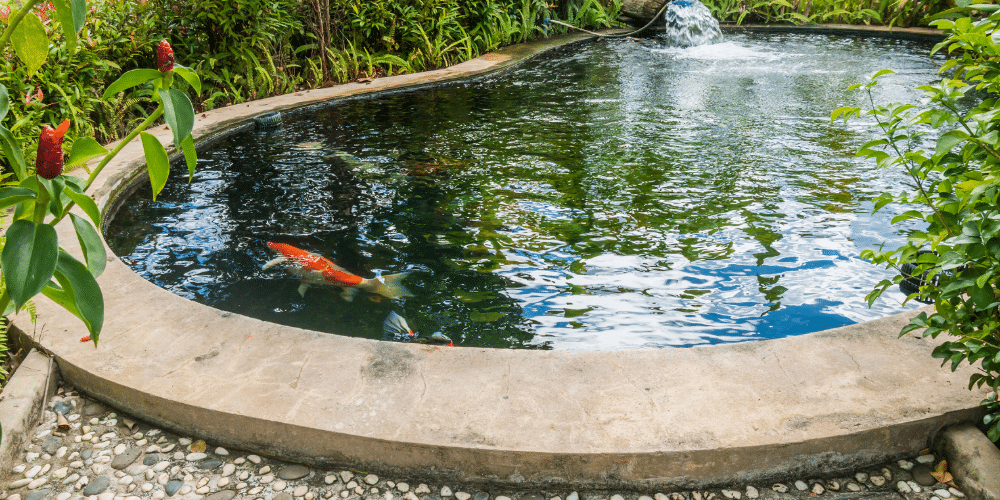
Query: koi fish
[395,328]
[313,269]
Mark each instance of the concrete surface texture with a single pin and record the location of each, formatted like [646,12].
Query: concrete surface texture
[21,404]
[671,418]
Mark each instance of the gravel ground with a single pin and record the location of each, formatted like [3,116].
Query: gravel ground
[88,451]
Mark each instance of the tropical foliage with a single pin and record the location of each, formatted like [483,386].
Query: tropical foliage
[954,190]
[880,12]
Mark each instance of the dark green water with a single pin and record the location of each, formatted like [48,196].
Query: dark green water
[608,195]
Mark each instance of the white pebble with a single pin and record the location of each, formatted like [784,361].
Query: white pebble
[184,441]
[158,495]
[244,475]
[147,487]
[185,489]
[32,472]
[18,468]
[372,479]
[60,472]
[926,459]
[222,452]
[752,493]
[64,495]
[127,480]
[817,489]
[861,477]
[461,495]
[20,482]
[445,491]
[853,487]
[61,452]
[731,494]
[351,485]
[346,476]
[330,479]
[422,488]
[228,470]
[168,448]
[42,480]
[801,485]
[403,487]
[279,485]
[780,488]
[71,479]
[914,486]
[240,461]
[903,488]
[203,490]
[956,493]
[255,490]
[202,482]
[223,482]
[194,457]
[905,464]
[267,479]
[300,491]
[31,456]
[160,466]
[120,449]
[254,458]
[878,480]
[264,470]
[943,493]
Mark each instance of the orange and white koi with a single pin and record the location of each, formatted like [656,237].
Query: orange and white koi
[313,269]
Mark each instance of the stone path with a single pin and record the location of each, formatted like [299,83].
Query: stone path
[94,453]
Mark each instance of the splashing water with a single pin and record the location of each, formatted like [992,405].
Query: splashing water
[690,23]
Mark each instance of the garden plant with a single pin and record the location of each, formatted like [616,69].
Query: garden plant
[954,191]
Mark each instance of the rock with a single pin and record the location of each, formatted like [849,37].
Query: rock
[228,470]
[51,443]
[445,491]
[284,496]
[97,486]
[640,11]
[780,488]
[300,491]
[926,459]
[93,409]
[279,485]
[817,489]
[210,463]
[125,458]
[861,477]
[293,472]
[922,475]
[878,480]
[956,493]
[730,494]
[905,464]
[38,482]
[403,487]
[38,495]
[172,487]
[461,495]
[330,479]
[20,483]
[833,485]
[194,456]
[482,495]
[752,493]
[853,487]
[372,479]
[221,495]
[914,486]
[151,459]
[254,459]
[972,458]
[903,488]
[801,485]
[943,493]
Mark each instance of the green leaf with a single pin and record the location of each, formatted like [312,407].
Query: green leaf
[64,11]
[90,242]
[55,188]
[156,162]
[883,72]
[14,195]
[85,149]
[4,102]
[82,292]
[86,203]
[190,155]
[28,259]
[131,79]
[190,76]
[950,140]
[178,112]
[12,151]
[31,44]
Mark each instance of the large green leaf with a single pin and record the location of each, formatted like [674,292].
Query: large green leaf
[156,162]
[12,151]
[4,102]
[30,42]
[90,242]
[84,149]
[190,156]
[178,112]
[83,290]
[86,203]
[64,11]
[13,195]
[190,76]
[28,259]
[131,79]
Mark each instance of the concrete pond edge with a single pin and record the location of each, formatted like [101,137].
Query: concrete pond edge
[21,404]
[680,418]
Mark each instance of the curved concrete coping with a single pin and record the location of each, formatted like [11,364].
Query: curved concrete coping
[667,418]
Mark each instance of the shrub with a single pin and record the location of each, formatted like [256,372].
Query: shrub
[955,191]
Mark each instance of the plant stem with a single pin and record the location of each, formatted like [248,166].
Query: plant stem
[14,21]
[114,152]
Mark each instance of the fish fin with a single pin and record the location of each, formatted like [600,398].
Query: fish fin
[390,287]
[395,326]
[348,294]
[273,262]
[302,289]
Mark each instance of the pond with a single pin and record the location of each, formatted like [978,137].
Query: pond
[614,194]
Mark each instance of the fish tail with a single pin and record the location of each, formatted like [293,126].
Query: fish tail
[391,286]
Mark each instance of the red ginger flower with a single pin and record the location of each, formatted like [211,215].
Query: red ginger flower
[49,162]
[165,56]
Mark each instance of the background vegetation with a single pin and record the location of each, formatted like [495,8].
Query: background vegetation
[905,13]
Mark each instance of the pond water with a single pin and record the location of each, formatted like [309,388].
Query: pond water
[608,195]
